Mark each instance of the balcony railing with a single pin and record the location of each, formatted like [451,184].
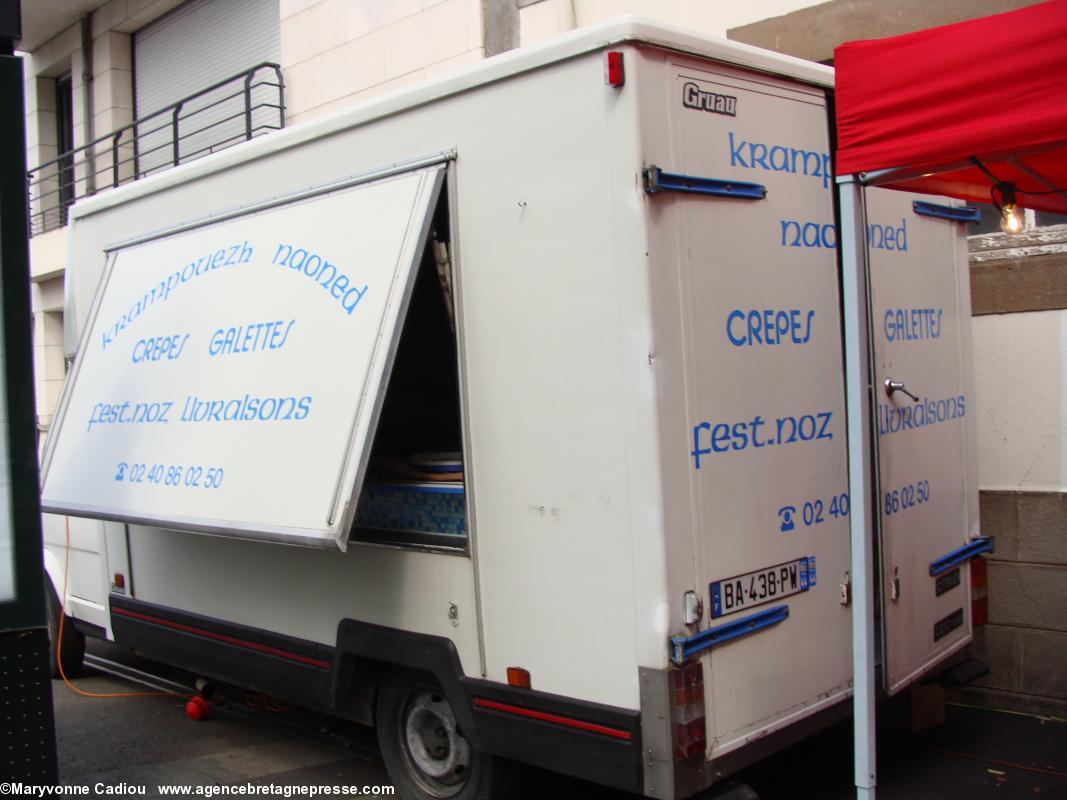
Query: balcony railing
[233,110]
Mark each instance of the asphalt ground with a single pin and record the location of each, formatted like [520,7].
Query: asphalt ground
[149,741]
[978,754]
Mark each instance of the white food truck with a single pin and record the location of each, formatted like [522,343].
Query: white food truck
[506,413]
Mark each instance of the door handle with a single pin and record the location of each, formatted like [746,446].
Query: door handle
[896,386]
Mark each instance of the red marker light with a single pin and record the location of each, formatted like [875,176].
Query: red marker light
[519,677]
[979,591]
[614,74]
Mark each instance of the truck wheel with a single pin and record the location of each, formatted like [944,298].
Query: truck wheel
[73,651]
[423,745]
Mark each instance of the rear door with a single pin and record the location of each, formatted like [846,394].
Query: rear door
[920,304]
[765,434]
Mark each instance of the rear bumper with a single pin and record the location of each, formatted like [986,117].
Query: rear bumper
[667,778]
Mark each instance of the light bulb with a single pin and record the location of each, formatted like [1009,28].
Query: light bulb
[1011,218]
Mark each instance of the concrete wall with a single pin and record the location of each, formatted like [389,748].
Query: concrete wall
[1025,641]
[337,52]
[542,19]
[40,69]
[48,364]
[1019,297]
[110,107]
[814,31]
[47,255]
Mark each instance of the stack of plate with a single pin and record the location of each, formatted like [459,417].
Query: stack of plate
[438,466]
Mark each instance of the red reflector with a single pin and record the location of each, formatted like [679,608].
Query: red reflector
[120,580]
[614,74]
[979,592]
[687,684]
[686,688]
[690,740]
[517,676]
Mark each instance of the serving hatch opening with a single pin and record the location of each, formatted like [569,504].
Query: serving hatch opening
[232,370]
[414,492]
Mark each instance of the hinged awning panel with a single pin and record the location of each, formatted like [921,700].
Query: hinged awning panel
[230,377]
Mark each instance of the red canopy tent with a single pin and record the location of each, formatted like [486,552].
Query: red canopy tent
[957,110]
[924,104]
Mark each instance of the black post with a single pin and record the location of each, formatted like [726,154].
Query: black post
[176,141]
[281,96]
[115,159]
[248,104]
[27,723]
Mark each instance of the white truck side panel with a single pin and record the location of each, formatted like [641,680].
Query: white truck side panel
[540,278]
[655,606]
[77,566]
[303,592]
[538,295]
[664,252]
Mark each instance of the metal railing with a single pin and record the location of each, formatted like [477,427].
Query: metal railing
[233,110]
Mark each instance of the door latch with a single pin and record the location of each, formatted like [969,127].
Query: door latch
[897,386]
[894,585]
[845,588]
[693,609]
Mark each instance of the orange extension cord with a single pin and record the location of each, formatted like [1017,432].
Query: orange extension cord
[252,699]
[59,641]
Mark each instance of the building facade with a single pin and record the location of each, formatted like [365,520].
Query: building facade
[94,68]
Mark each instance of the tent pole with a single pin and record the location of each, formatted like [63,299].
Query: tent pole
[857,402]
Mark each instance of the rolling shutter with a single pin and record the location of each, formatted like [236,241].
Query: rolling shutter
[184,52]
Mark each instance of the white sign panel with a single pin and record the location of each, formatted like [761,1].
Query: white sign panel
[230,378]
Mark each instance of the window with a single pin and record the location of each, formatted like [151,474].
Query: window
[65,143]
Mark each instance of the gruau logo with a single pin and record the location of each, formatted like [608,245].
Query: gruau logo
[695,97]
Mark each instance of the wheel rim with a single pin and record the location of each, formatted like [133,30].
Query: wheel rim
[433,744]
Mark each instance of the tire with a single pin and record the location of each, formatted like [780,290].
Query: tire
[73,650]
[424,749]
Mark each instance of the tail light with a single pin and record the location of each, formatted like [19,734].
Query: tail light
[614,72]
[687,711]
[979,591]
